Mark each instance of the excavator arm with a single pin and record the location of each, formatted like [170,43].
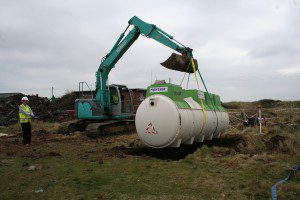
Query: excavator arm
[176,62]
[152,31]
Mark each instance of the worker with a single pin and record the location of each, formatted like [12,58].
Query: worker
[115,98]
[25,115]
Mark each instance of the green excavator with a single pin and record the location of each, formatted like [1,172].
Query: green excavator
[104,112]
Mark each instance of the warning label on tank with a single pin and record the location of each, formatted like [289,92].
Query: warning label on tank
[150,129]
[158,89]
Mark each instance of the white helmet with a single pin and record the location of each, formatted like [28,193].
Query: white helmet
[24,99]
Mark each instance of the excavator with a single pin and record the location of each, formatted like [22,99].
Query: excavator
[105,113]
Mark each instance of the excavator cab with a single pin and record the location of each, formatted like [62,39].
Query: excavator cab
[87,107]
[121,101]
[92,120]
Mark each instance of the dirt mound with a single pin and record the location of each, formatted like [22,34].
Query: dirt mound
[67,101]
[269,103]
[41,106]
[248,143]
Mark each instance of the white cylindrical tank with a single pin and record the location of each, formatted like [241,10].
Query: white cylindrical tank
[223,121]
[160,122]
[211,124]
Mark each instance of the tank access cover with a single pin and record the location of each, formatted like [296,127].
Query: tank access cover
[179,63]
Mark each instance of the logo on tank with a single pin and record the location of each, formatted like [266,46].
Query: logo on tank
[150,129]
[158,89]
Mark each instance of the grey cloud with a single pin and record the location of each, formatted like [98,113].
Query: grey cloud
[240,45]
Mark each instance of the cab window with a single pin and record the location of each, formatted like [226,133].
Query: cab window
[114,98]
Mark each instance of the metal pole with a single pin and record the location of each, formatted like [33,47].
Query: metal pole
[259,119]
[79,90]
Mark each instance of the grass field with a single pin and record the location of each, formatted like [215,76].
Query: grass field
[241,165]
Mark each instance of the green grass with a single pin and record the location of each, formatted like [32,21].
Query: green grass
[203,174]
[240,166]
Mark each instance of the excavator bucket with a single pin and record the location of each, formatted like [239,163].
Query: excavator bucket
[179,63]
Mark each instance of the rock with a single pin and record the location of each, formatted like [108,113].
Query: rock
[34,167]
[3,134]
[5,162]
[223,195]
[31,168]
[25,164]
[40,190]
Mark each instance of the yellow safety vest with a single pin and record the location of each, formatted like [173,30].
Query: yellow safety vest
[115,99]
[25,118]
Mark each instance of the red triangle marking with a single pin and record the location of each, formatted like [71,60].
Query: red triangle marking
[153,131]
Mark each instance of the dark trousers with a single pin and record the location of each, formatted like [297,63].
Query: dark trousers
[26,130]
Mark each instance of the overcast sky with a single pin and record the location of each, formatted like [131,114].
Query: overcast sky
[247,50]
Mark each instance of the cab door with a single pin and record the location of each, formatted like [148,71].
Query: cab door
[115,100]
[126,100]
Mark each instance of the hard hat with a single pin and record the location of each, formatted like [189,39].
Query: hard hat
[24,99]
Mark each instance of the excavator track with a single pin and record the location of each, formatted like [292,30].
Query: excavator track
[68,127]
[110,127]
[96,129]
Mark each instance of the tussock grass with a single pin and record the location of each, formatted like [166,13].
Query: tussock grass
[265,103]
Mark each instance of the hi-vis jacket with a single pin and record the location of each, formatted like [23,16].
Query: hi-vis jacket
[25,113]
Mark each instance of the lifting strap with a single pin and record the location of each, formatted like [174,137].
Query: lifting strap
[184,75]
[182,79]
[202,104]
